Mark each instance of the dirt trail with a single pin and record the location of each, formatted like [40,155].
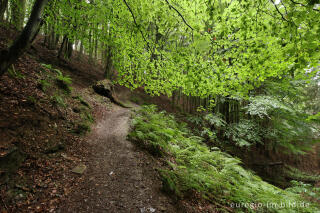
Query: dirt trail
[119,178]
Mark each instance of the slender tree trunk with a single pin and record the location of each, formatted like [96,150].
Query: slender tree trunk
[45,32]
[108,62]
[69,49]
[3,7]
[52,38]
[66,48]
[173,99]
[26,37]
[96,48]
[81,50]
[62,47]
[90,46]
[76,45]
[227,111]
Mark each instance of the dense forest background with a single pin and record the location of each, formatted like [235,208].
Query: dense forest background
[244,75]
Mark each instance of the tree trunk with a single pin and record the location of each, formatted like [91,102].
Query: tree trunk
[66,48]
[29,33]
[96,49]
[51,38]
[90,46]
[69,50]
[108,63]
[81,50]
[3,7]
[173,99]
[64,51]
[18,12]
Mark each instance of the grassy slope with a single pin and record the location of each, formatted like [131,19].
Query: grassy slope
[215,174]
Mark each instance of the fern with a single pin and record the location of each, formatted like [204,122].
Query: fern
[193,166]
[195,119]
[263,106]
[288,126]
[215,120]
[62,81]
[44,85]
[47,66]
[244,133]
[58,100]
[305,189]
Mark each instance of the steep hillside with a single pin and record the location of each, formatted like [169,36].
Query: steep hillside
[43,115]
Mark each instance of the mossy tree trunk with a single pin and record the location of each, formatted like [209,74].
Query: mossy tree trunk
[18,12]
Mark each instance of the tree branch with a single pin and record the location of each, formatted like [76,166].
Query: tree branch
[135,22]
[183,19]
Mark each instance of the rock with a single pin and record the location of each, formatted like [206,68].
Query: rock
[105,88]
[79,169]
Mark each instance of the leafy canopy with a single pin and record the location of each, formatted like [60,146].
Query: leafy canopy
[203,47]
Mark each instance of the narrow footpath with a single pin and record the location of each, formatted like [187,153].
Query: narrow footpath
[119,177]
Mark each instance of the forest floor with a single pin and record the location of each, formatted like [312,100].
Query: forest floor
[45,166]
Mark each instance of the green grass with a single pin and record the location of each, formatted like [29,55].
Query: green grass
[216,175]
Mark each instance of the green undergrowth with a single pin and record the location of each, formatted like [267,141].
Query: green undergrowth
[57,86]
[216,175]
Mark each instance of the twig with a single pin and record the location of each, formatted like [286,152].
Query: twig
[279,11]
[268,14]
[284,7]
[135,22]
[183,19]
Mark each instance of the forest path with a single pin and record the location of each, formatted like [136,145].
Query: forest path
[119,177]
